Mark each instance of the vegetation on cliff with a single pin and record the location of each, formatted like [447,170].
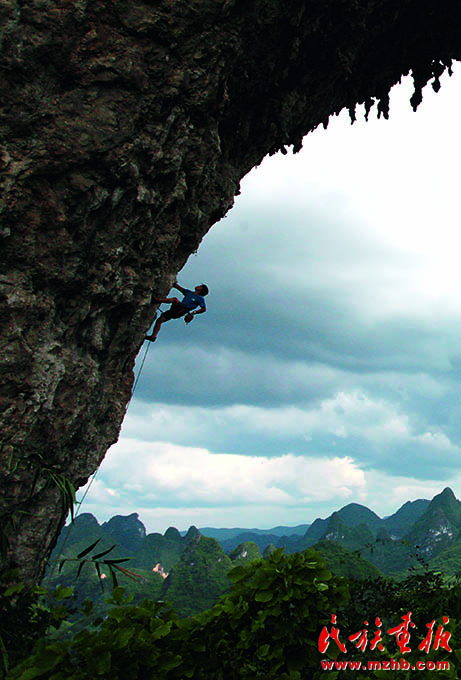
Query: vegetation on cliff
[126,128]
[275,622]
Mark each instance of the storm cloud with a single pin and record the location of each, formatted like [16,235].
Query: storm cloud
[330,353]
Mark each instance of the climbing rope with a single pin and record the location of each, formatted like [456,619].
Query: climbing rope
[93,477]
[139,372]
[132,395]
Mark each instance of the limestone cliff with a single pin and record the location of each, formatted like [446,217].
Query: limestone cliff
[126,126]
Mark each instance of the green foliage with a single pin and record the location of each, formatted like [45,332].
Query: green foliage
[91,573]
[26,613]
[265,628]
[245,552]
[427,596]
[268,550]
[127,644]
[342,562]
[112,565]
[268,626]
[157,548]
[392,545]
[199,578]
[66,489]
[393,557]
[195,585]
[449,560]
[42,468]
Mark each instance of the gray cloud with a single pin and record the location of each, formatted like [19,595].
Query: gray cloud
[333,325]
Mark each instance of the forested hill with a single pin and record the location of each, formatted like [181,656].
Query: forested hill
[421,530]
[190,569]
[389,543]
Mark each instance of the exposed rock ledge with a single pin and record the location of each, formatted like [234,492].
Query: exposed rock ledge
[126,128]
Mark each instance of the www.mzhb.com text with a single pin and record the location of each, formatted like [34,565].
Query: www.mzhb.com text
[392,665]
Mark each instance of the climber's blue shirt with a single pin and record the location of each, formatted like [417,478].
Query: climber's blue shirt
[191,300]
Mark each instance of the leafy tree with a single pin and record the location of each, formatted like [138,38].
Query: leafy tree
[266,627]
[343,562]
[426,595]
[199,578]
[26,614]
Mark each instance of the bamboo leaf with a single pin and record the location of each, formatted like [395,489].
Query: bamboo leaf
[70,492]
[88,550]
[113,576]
[131,574]
[70,489]
[55,479]
[105,552]
[98,569]
[80,567]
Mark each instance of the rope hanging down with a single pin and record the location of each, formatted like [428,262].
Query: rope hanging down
[132,395]
[80,502]
[139,372]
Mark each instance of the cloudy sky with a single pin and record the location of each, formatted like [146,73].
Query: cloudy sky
[327,369]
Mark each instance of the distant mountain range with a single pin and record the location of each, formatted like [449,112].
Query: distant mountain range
[419,530]
[231,538]
[228,534]
[352,516]
[190,569]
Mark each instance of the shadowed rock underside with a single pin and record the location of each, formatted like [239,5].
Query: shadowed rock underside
[126,126]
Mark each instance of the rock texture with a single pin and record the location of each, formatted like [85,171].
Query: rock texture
[127,531]
[126,126]
[439,526]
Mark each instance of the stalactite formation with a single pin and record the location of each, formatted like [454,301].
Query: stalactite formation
[126,127]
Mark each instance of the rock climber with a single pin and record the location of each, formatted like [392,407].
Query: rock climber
[191,300]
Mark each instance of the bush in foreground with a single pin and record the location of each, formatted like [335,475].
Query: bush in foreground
[267,627]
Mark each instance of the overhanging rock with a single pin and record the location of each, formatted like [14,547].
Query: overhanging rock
[126,128]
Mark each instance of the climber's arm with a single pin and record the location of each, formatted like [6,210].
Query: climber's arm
[178,287]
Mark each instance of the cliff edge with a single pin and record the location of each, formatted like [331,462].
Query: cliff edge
[126,126]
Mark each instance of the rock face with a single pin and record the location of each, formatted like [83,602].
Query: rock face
[126,126]
[439,526]
[128,530]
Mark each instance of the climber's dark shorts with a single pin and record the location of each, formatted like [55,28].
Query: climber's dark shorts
[176,311]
